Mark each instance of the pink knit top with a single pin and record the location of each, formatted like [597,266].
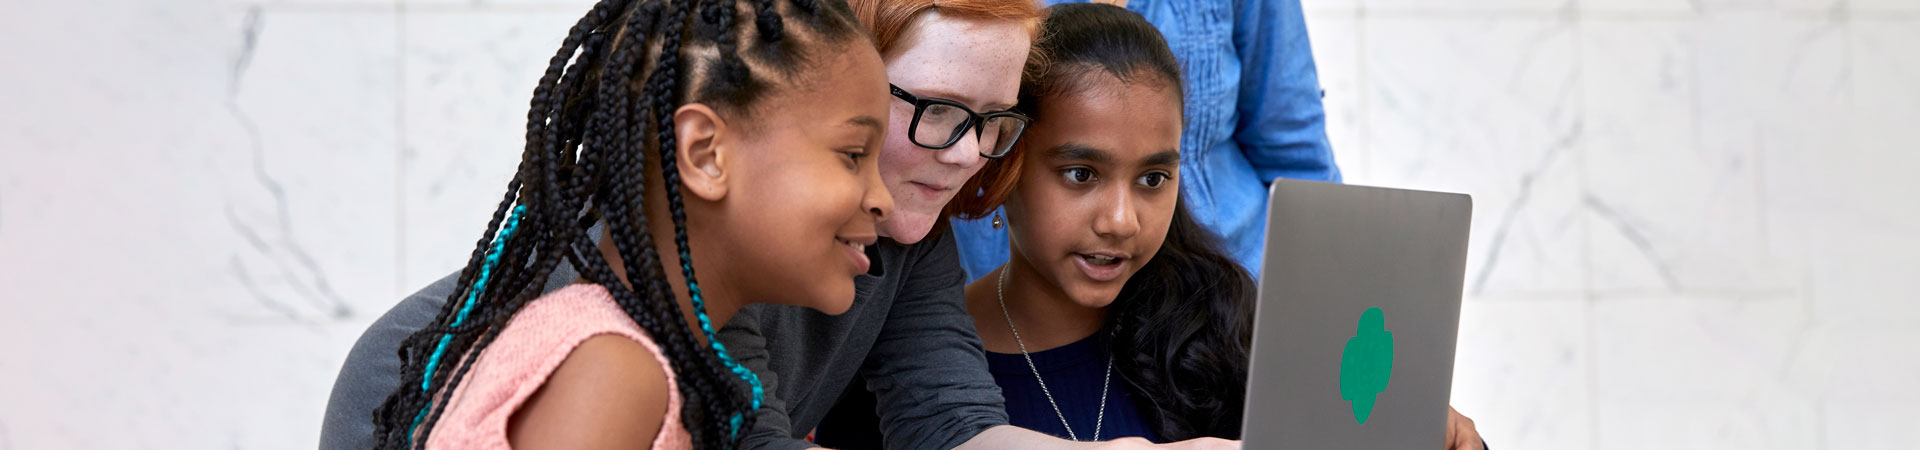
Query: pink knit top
[537,339]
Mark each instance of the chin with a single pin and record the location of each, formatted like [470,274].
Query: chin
[908,228]
[836,301]
[1096,296]
[836,308]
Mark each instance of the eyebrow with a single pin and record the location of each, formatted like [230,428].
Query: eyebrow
[955,96]
[1078,152]
[1164,158]
[865,121]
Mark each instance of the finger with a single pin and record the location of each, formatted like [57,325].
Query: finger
[1215,444]
[1205,443]
[1471,440]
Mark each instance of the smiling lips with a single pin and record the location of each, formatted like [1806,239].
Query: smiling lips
[856,250]
[931,190]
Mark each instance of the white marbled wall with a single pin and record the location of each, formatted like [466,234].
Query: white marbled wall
[1696,221]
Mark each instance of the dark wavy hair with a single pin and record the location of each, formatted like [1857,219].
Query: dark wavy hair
[1182,329]
[606,99]
[1182,324]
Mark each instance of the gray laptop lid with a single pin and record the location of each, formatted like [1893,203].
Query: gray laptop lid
[1359,309]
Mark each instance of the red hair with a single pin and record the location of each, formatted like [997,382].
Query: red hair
[890,22]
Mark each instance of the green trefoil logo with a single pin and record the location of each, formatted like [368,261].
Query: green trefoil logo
[1367,364]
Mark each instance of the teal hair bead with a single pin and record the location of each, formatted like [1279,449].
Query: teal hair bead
[473,296]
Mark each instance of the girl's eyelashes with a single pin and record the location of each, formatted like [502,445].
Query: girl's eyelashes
[854,156]
[1084,175]
[1078,175]
[1155,179]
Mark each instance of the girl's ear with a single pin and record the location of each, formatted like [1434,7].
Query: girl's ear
[701,151]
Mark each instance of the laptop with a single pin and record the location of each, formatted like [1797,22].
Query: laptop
[1359,308]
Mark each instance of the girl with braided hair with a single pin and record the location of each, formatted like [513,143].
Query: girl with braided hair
[905,339]
[666,138]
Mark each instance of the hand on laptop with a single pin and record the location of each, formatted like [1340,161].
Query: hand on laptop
[1190,444]
[1203,444]
[1460,432]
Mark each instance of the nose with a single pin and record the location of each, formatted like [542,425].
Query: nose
[965,153]
[877,201]
[1118,218]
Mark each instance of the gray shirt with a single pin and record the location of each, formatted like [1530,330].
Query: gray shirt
[907,334]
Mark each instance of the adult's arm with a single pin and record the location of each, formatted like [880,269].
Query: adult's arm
[772,428]
[372,369]
[1009,436]
[928,369]
[1281,126]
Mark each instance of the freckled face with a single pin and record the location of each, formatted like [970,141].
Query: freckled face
[974,62]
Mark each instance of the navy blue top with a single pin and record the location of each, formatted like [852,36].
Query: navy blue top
[1073,373]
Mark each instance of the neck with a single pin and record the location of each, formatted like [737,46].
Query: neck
[721,304]
[1044,315]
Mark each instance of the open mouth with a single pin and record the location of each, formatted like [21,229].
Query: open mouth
[1100,266]
[858,247]
[856,251]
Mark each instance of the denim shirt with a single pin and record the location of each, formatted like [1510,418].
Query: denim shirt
[1253,114]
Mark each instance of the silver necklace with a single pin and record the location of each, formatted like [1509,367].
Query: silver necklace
[1098,419]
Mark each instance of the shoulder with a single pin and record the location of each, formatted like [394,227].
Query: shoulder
[374,350]
[372,369]
[410,315]
[609,392]
[937,255]
[612,388]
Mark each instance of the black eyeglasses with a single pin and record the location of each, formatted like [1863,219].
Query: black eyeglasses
[939,123]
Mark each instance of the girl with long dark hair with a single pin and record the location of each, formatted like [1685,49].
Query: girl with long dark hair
[1117,314]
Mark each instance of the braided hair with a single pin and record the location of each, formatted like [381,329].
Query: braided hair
[607,97]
